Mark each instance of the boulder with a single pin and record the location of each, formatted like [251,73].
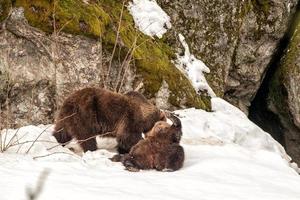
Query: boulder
[235,39]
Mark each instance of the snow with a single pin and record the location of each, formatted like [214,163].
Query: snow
[227,157]
[194,69]
[153,21]
[149,17]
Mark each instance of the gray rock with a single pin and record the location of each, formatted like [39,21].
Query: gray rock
[284,95]
[236,39]
[37,71]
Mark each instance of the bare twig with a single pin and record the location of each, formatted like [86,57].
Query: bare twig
[8,144]
[125,64]
[37,138]
[64,25]
[139,86]
[101,63]
[67,117]
[116,42]
[81,141]
[50,154]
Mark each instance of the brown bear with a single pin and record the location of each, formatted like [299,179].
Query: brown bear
[94,111]
[160,149]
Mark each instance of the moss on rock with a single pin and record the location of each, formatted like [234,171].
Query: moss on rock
[74,16]
[100,19]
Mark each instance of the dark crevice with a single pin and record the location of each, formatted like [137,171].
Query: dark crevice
[258,111]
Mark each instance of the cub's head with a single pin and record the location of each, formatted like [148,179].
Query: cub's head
[164,131]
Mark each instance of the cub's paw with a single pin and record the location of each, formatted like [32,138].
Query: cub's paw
[132,169]
[116,158]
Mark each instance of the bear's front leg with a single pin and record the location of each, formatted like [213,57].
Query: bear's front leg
[126,139]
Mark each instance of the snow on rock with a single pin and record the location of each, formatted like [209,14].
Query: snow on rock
[227,157]
[149,17]
[194,69]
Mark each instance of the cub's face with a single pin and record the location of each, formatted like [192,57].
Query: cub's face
[159,129]
[163,131]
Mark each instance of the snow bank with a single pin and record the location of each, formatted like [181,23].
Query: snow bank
[227,157]
[194,69]
[227,124]
[149,17]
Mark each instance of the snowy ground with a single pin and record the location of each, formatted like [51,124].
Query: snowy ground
[227,157]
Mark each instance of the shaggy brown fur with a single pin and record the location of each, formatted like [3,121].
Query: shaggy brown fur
[95,111]
[160,150]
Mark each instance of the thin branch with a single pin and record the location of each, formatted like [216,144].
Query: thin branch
[8,144]
[64,25]
[101,63]
[50,154]
[116,42]
[81,141]
[37,138]
[19,140]
[67,117]
[125,64]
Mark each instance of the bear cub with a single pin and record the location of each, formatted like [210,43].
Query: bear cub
[159,150]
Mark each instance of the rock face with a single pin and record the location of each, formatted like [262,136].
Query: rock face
[284,93]
[35,78]
[236,39]
[42,60]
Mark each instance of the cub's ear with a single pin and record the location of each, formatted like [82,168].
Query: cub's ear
[176,121]
[162,116]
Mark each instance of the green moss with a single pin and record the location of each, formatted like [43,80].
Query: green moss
[5,6]
[101,18]
[73,16]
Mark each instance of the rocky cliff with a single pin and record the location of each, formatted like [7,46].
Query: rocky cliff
[51,48]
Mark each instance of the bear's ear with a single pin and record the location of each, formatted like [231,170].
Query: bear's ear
[162,116]
[176,121]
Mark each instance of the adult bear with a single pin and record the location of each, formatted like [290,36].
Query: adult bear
[94,111]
